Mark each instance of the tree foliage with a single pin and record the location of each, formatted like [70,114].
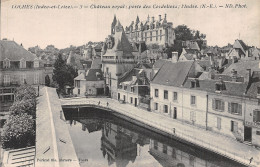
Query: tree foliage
[24,106]
[19,128]
[25,92]
[18,131]
[63,74]
[184,33]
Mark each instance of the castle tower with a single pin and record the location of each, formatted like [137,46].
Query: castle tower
[113,25]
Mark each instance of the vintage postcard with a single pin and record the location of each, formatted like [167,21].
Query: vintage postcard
[135,83]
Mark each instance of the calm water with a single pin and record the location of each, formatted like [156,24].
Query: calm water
[102,139]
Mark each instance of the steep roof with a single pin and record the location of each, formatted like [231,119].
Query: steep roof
[159,63]
[173,74]
[242,66]
[92,75]
[14,52]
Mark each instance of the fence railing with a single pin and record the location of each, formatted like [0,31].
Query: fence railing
[181,134]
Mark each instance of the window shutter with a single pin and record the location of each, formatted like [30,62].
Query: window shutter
[213,104]
[229,107]
[240,109]
[222,105]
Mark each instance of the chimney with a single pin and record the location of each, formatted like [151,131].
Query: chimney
[160,17]
[174,57]
[148,18]
[153,19]
[165,15]
[234,75]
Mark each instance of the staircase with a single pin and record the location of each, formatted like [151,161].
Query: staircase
[19,157]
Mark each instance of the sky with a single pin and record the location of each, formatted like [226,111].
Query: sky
[65,27]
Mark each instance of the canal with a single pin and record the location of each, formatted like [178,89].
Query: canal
[102,139]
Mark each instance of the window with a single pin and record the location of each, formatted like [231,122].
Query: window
[125,87]
[256,116]
[219,87]
[36,63]
[107,69]
[6,80]
[155,145]
[191,160]
[234,126]
[6,63]
[165,149]
[145,36]
[23,78]
[77,83]
[175,96]
[192,84]
[151,36]
[235,108]
[193,100]
[156,35]
[36,78]
[173,153]
[132,89]
[22,63]
[155,106]
[218,104]
[165,108]
[165,94]
[131,99]
[160,35]
[156,92]
[258,90]
[78,91]
[218,123]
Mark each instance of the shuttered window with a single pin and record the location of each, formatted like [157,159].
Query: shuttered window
[235,108]
[256,116]
[218,105]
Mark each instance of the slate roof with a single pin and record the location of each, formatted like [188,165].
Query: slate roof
[190,53]
[159,63]
[231,88]
[242,66]
[173,74]
[14,52]
[91,75]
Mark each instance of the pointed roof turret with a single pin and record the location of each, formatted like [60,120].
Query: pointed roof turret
[114,21]
[137,20]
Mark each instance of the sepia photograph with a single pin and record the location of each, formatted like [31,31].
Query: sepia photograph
[134,83]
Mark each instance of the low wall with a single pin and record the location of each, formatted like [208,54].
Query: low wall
[54,146]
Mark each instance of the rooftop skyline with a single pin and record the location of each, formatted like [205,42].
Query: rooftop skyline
[65,27]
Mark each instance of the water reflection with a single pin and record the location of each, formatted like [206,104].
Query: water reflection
[106,140]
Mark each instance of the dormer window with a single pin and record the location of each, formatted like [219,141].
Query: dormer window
[220,86]
[22,63]
[6,63]
[194,84]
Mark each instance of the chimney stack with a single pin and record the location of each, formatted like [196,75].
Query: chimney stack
[165,15]
[148,18]
[174,57]
[160,17]
[153,19]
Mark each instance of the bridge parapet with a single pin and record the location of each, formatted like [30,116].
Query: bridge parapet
[54,146]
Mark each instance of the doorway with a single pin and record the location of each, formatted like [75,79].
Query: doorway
[175,113]
[248,134]
[135,102]
[118,96]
